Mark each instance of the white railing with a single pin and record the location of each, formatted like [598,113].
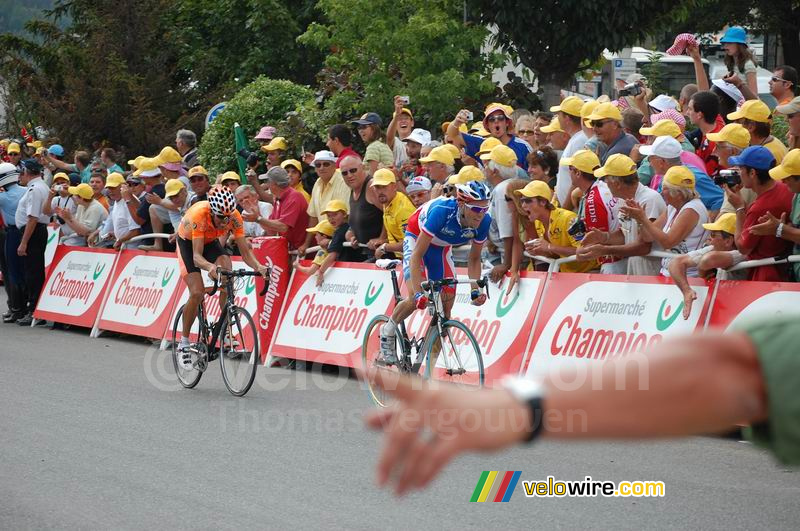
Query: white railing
[141,237]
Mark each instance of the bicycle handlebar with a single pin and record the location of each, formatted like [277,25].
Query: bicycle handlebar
[240,273]
[431,285]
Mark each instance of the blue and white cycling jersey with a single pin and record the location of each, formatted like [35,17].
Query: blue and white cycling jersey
[439,219]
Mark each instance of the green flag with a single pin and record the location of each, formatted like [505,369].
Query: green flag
[241,142]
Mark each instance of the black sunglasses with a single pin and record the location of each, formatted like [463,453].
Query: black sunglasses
[350,171]
[599,123]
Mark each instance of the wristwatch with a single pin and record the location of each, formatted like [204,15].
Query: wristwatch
[531,393]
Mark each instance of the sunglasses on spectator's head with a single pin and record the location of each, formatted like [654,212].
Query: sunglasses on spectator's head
[498,118]
[351,171]
[322,164]
[477,209]
[525,132]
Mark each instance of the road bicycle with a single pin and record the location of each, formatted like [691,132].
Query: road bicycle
[448,348]
[233,338]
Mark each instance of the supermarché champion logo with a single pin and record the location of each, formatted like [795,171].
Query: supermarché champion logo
[369,296]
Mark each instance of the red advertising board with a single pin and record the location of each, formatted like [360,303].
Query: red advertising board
[75,285]
[274,253]
[142,294]
[740,300]
[591,318]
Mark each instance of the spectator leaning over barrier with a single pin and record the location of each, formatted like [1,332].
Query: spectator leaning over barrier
[730,142]
[772,197]
[625,242]
[275,150]
[397,208]
[323,232]
[419,191]
[198,178]
[781,226]
[366,218]
[755,116]
[439,164]
[666,153]
[330,185]
[289,217]
[720,252]
[703,111]
[186,143]
[295,170]
[60,198]
[398,130]
[792,112]
[119,227]
[680,229]
[597,207]
[782,84]
[32,221]
[340,142]
[412,145]
[552,227]
[89,216]
[500,167]
[10,195]
[252,210]
[569,124]
[498,123]
[377,154]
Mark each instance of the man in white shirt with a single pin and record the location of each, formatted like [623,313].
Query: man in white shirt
[500,167]
[119,226]
[569,117]
[254,210]
[88,217]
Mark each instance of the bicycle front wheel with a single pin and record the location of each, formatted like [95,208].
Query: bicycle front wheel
[188,379]
[454,356]
[238,351]
[370,348]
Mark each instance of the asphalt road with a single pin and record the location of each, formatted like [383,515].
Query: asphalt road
[95,434]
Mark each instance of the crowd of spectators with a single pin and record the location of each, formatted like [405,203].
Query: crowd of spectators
[605,180]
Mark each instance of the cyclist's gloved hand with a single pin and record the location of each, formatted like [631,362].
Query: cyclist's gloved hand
[478,298]
[421,301]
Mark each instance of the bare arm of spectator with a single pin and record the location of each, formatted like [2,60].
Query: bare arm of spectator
[131,234]
[677,270]
[653,230]
[391,130]
[330,259]
[745,240]
[79,228]
[453,129]
[768,225]
[60,164]
[47,206]
[693,51]
[749,90]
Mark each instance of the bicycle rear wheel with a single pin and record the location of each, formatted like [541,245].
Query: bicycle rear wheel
[455,356]
[188,379]
[370,348]
[238,351]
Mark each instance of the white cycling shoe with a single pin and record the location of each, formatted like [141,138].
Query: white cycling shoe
[185,357]
[388,350]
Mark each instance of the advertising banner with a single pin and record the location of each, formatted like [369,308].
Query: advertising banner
[326,324]
[747,300]
[274,253]
[142,294]
[75,285]
[592,318]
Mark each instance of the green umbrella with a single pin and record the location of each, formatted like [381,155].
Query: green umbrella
[241,143]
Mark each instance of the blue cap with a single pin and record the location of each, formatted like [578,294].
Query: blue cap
[56,149]
[735,34]
[32,165]
[370,118]
[757,157]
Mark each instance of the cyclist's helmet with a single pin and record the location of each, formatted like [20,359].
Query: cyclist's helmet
[472,191]
[221,201]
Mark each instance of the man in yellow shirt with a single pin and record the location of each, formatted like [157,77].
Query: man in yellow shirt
[755,116]
[552,226]
[328,187]
[397,208]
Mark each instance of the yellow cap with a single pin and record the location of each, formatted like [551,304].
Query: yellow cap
[230,176]
[453,151]
[323,227]
[294,163]
[605,111]
[197,170]
[439,154]
[35,144]
[5,142]
[755,110]
[114,180]
[734,134]
[404,111]
[585,160]
[13,147]
[617,165]
[507,110]
[169,155]
[554,126]
[335,205]
[60,175]
[536,189]
[725,223]
[173,187]
[382,177]
[790,165]
[275,144]
[664,127]
[503,155]
[148,167]
[480,131]
[588,108]
[488,144]
[135,162]
[680,176]
[40,151]
[571,105]
[462,127]
[465,175]
[82,190]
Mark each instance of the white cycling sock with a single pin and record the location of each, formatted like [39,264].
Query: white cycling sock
[389,328]
[184,341]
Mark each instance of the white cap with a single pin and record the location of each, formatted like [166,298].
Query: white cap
[729,89]
[420,136]
[326,156]
[662,102]
[418,184]
[8,174]
[665,147]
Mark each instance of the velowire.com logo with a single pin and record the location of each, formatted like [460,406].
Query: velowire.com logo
[496,486]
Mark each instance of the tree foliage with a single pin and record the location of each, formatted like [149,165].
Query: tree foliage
[381,48]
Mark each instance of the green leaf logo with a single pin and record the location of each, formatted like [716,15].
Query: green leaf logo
[662,323]
[98,271]
[369,296]
[502,308]
[52,236]
[250,286]
[166,278]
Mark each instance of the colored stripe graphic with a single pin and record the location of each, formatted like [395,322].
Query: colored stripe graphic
[512,485]
[503,487]
[479,487]
[487,486]
[495,487]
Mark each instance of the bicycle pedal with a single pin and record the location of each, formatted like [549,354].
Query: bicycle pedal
[380,362]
